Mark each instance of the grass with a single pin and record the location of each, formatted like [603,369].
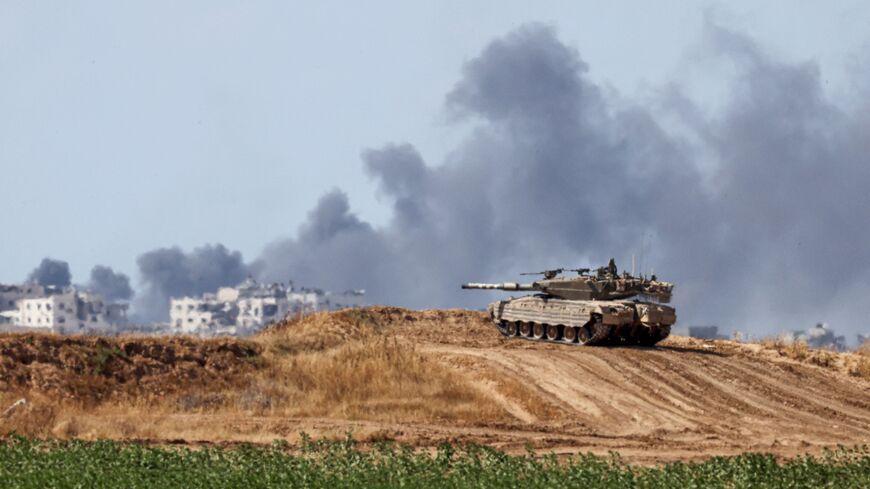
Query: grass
[862,364]
[378,378]
[855,364]
[102,355]
[367,376]
[28,463]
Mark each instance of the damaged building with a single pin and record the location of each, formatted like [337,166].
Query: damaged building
[820,336]
[62,310]
[11,294]
[248,307]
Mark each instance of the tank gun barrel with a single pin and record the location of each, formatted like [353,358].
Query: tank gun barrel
[502,286]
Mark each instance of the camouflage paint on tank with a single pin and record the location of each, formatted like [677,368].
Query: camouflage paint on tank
[590,308]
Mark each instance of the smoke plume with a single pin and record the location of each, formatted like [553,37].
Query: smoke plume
[51,272]
[331,232]
[170,272]
[110,285]
[550,175]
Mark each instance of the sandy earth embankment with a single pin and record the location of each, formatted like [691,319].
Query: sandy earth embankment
[425,377]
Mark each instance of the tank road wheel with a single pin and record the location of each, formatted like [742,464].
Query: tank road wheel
[553,333]
[512,328]
[538,331]
[569,334]
[525,329]
[504,328]
[583,334]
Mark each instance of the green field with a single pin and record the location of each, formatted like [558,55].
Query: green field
[41,464]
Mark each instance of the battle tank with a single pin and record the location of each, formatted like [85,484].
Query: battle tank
[592,308]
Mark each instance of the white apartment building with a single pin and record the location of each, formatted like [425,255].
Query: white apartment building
[11,294]
[250,306]
[64,311]
[200,315]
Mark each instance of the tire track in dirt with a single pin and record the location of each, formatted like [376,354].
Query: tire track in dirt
[795,397]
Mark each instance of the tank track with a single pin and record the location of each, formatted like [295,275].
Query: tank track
[590,334]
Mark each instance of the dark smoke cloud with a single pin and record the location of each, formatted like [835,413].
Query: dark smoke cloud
[331,232]
[110,285]
[757,211]
[51,272]
[549,176]
[170,272]
[781,243]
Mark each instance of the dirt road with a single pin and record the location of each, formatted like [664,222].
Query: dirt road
[683,399]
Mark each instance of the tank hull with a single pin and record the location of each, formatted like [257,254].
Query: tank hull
[583,322]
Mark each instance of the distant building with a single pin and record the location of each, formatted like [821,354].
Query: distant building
[60,310]
[819,336]
[706,333]
[11,294]
[250,306]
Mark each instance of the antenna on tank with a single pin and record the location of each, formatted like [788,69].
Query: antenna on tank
[632,265]
[642,247]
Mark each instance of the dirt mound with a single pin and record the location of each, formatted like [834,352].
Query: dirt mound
[326,330]
[425,377]
[90,369]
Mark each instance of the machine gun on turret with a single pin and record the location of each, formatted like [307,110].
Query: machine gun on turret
[551,274]
[548,274]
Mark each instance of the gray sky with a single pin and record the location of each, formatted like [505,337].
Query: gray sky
[124,129]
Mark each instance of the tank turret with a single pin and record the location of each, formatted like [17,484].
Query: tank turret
[592,307]
[586,287]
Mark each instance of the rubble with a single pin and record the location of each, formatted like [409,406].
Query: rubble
[819,336]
